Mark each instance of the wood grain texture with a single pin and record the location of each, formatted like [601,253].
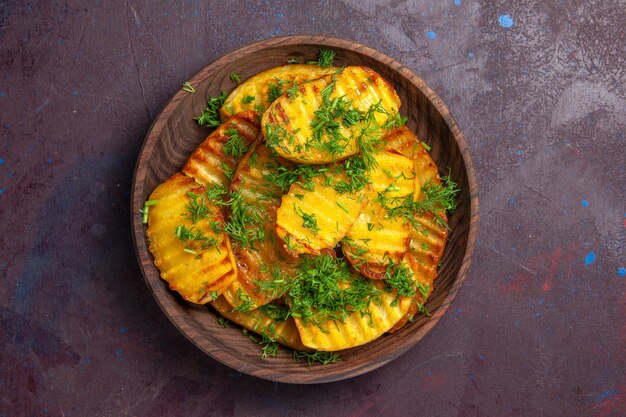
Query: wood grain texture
[173,137]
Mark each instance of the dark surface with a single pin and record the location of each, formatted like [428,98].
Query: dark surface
[539,327]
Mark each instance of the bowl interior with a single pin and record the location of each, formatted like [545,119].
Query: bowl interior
[174,135]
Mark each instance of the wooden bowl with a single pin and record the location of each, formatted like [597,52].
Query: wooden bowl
[174,135]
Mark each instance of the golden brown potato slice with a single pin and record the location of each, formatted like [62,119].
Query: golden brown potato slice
[267,259]
[357,329]
[193,258]
[328,119]
[258,91]
[215,159]
[284,332]
[375,240]
[314,219]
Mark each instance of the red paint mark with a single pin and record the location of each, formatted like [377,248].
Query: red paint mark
[560,262]
[615,405]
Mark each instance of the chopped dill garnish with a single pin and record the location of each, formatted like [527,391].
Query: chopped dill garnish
[284,177]
[308,220]
[293,61]
[223,321]
[235,78]
[323,358]
[210,116]
[275,90]
[426,146]
[247,99]
[188,87]
[196,208]
[325,58]
[277,312]
[243,301]
[146,208]
[192,235]
[235,145]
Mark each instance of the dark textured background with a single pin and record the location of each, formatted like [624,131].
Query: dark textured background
[539,328]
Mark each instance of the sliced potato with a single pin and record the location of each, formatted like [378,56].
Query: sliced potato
[253,94]
[375,240]
[358,328]
[215,159]
[266,258]
[314,219]
[305,127]
[284,332]
[194,259]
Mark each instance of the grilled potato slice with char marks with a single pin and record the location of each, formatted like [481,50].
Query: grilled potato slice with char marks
[284,332]
[428,237]
[358,328]
[215,159]
[314,217]
[193,258]
[257,91]
[268,258]
[326,119]
[376,240]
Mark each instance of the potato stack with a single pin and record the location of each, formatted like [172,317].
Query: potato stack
[311,215]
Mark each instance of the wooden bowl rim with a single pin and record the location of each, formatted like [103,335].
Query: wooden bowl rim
[155,283]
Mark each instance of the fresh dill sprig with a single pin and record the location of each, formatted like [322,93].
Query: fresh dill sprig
[323,358]
[283,177]
[194,235]
[247,99]
[146,207]
[235,145]
[210,116]
[235,78]
[196,208]
[275,90]
[325,58]
[308,220]
[243,301]
[223,321]
[277,312]
[188,87]
[293,61]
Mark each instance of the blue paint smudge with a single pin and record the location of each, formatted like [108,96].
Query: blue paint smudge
[1,161]
[3,94]
[459,311]
[457,2]
[517,324]
[2,190]
[8,126]
[605,395]
[540,302]
[481,357]
[621,271]
[75,93]
[590,258]
[584,203]
[11,174]
[471,54]
[512,202]
[519,152]
[505,20]
[61,42]
[280,15]
[122,330]
[470,377]
[431,35]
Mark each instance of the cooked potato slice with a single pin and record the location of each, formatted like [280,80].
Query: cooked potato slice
[257,92]
[325,120]
[284,332]
[358,328]
[375,239]
[194,259]
[216,158]
[267,258]
[314,219]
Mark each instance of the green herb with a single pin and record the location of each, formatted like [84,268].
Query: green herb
[370,226]
[235,78]
[356,173]
[235,145]
[425,145]
[247,99]
[293,61]
[323,358]
[283,177]
[245,222]
[224,322]
[436,198]
[146,208]
[277,312]
[395,120]
[275,90]
[188,87]
[194,235]
[210,115]
[196,208]
[342,207]
[400,278]
[268,341]
[243,301]
[324,288]
[325,58]
[308,220]
[213,294]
